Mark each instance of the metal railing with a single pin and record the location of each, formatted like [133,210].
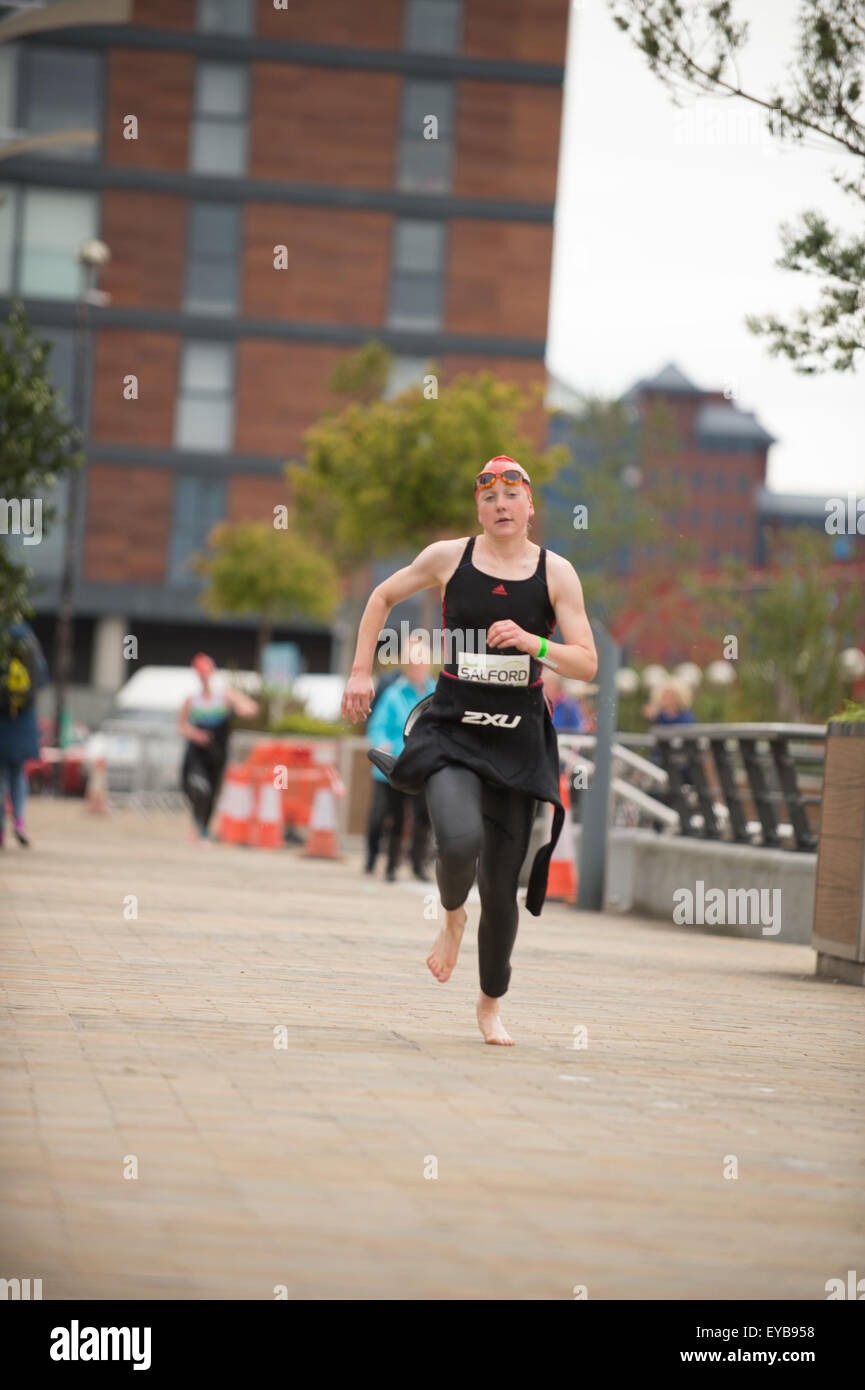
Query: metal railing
[763,769]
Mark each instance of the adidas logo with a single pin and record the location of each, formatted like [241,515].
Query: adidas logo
[500,589]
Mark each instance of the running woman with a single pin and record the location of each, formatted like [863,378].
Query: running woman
[482,746]
[205,722]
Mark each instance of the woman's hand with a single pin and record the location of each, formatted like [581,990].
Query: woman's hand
[504,633]
[199,736]
[357,698]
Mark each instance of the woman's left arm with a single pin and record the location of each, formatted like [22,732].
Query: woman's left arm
[576,657]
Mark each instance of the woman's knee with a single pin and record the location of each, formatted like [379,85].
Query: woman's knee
[459,848]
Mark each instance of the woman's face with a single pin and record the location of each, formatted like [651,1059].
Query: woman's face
[504,509]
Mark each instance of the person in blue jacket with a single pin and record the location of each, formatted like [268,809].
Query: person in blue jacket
[384,730]
[23,670]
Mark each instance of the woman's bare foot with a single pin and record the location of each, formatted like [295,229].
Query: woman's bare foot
[446,947]
[490,1024]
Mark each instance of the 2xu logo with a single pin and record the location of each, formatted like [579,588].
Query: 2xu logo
[481,716]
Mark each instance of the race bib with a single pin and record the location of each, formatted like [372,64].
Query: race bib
[489,668]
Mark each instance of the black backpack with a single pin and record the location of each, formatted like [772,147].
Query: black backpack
[19,677]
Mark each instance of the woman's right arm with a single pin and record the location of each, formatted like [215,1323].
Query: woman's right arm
[426,569]
[188,730]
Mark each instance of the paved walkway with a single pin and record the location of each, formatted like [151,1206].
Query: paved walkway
[303,1165]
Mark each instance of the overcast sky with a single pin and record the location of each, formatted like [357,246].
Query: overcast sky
[666,235]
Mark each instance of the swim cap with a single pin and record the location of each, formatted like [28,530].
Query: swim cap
[502,462]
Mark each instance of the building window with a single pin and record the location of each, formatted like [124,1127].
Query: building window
[424,161]
[220,123]
[433,26]
[199,503]
[225,16]
[54,223]
[721,482]
[212,257]
[405,372]
[7,237]
[697,479]
[743,482]
[416,283]
[60,365]
[204,414]
[60,90]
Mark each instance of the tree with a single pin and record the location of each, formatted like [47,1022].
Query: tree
[791,621]
[386,477]
[38,442]
[254,567]
[612,513]
[695,46]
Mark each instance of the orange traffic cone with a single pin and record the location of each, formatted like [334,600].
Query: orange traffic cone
[266,828]
[236,805]
[322,842]
[562,880]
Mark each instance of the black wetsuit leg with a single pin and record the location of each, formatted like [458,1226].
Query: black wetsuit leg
[388,808]
[201,779]
[377,813]
[477,824]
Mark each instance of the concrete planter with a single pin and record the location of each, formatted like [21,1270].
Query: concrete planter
[839,903]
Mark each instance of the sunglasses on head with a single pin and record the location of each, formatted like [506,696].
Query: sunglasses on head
[507,475]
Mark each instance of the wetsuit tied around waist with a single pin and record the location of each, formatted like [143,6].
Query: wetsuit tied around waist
[490,715]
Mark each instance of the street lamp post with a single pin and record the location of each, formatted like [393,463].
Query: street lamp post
[92,255]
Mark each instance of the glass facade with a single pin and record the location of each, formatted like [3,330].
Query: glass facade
[204,416]
[199,503]
[212,258]
[426,145]
[60,89]
[417,277]
[54,223]
[218,141]
[225,16]
[433,26]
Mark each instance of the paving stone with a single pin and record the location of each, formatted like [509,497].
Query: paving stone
[304,1164]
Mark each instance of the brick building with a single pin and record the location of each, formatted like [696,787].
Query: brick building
[227,129]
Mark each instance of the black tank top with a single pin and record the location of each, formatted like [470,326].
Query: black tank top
[473,601]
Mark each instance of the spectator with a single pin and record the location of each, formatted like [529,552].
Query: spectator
[386,723]
[22,671]
[669,705]
[568,717]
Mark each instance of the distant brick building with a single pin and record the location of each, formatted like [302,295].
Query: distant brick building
[257,127]
[715,456]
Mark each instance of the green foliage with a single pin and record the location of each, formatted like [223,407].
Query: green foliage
[253,567]
[792,625]
[628,504]
[695,48]
[280,711]
[852,713]
[363,374]
[382,476]
[38,443]
[307,724]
